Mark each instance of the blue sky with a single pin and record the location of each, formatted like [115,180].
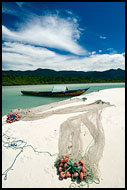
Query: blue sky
[81,36]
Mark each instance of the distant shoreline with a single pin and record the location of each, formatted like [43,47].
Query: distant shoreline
[65,83]
[47,76]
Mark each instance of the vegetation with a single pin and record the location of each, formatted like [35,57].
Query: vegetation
[14,79]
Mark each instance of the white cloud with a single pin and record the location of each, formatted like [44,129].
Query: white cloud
[21,12]
[49,31]
[69,12]
[27,50]
[112,51]
[75,20]
[7,10]
[102,37]
[17,56]
[93,52]
[109,49]
[20,56]
[99,50]
[20,4]
[101,62]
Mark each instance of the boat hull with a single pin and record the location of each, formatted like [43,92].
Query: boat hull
[55,94]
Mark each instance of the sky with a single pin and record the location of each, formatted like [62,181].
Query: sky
[78,36]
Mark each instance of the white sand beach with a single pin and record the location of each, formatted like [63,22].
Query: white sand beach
[40,128]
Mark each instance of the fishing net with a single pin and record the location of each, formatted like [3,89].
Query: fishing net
[70,141]
[12,117]
[27,114]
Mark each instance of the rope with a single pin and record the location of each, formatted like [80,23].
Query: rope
[88,179]
[17,144]
[76,167]
[41,151]
[20,144]
[6,171]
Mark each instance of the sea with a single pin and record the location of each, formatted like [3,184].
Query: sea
[12,97]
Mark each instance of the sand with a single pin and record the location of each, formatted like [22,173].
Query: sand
[42,131]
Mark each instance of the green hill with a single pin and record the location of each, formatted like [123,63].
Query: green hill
[48,76]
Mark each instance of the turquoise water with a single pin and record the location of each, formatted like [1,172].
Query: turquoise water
[12,97]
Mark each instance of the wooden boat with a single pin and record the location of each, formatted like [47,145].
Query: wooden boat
[56,93]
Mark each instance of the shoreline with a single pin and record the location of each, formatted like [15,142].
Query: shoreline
[43,134]
[67,83]
[37,101]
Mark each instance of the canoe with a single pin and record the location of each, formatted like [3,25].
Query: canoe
[55,94]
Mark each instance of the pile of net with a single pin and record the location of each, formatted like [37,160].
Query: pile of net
[76,170]
[71,142]
[12,117]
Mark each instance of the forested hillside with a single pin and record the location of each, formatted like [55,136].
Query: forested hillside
[47,76]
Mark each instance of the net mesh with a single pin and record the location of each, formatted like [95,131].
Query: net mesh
[70,142]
